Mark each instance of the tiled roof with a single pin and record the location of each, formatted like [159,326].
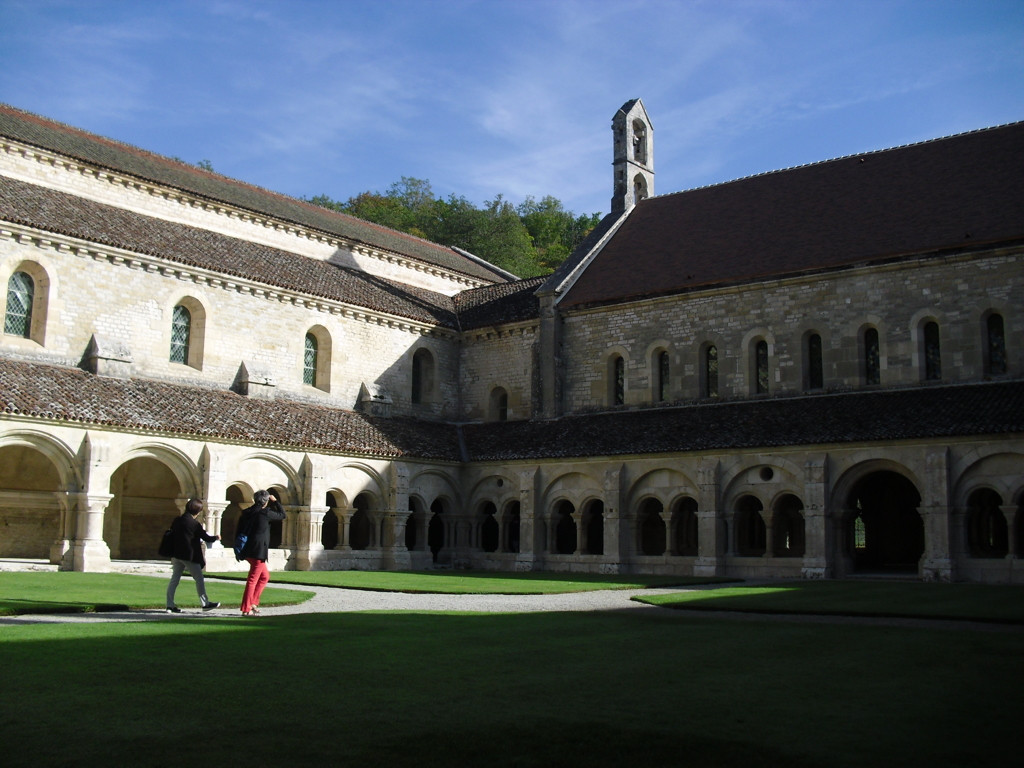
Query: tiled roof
[67,214]
[950,193]
[69,394]
[918,413]
[498,304]
[581,251]
[116,156]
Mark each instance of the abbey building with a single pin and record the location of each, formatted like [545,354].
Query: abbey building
[816,372]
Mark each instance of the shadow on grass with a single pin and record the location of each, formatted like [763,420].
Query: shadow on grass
[14,607]
[627,688]
[1000,603]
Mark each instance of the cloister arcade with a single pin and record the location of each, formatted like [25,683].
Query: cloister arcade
[109,498]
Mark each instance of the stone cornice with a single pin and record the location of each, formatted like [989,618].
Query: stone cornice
[500,332]
[192,200]
[64,244]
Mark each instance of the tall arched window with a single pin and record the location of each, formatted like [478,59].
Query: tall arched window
[996,346]
[18,317]
[618,380]
[761,367]
[422,376]
[181,335]
[872,359]
[639,142]
[639,188]
[815,369]
[309,361]
[499,404]
[932,353]
[662,377]
[710,371]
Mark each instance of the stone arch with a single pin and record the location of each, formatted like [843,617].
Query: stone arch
[572,486]
[651,526]
[43,277]
[238,495]
[352,478]
[64,459]
[788,527]
[592,520]
[423,379]
[316,372]
[147,495]
[34,514]
[361,528]
[431,484]
[264,469]
[566,537]
[490,528]
[185,470]
[640,189]
[662,483]
[497,403]
[991,466]
[198,324]
[686,523]
[747,475]
[751,531]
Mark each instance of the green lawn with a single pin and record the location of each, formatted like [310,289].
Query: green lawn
[630,688]
[979,602]
[478,582]
[72,592]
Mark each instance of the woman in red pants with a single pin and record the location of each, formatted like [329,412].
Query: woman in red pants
[256,520]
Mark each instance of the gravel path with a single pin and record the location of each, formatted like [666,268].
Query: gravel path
[339,600]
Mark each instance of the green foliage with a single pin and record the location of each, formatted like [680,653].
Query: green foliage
[206,165]
[529,239]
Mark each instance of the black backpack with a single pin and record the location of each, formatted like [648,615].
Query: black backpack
[167,543]
[242,538]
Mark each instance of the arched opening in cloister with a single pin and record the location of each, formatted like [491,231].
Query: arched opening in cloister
[359,530]
[435,529]
[751,532]
[652,528]
[277,531]
[593,521]
[511,523]
[239,499]
[330,529]
[30,515]
[987,532]
[489,529]
[788,527]
[412,524]
[146,493]
[565,528]
[686,527]
[884,531]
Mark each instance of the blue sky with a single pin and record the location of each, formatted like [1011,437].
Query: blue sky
[489,97]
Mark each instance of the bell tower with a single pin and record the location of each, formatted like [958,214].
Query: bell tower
[633,163]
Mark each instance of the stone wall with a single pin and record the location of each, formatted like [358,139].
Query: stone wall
[896,299]
[497,357]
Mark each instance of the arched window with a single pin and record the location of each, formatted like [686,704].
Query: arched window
[18,317]
[815,369]
[181,334]
[639,188]
[932,353]
[987,532]
[616,380]
[499,404]
[996,346]
[422,376]
[662,378]
[872,359]
[309,361]
[639,143]
[761,367]
[709,369]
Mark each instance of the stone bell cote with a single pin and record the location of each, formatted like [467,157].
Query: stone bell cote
[633,163]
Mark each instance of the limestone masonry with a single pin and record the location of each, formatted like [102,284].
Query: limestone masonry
[816,372]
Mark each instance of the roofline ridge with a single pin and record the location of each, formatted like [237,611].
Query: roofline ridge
[837,158]
[214,174]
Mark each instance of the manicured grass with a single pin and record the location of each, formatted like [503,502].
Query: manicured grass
[631,688]
[978,602]
[72,592]
[479,582]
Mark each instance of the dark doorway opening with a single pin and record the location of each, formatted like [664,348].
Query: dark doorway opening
[512,532]
[329,528]
[686,527]
[565,529]
[885,533]
[489,531]
[652,528]
[359,525]
[595,528]
[750,528]
[435,529]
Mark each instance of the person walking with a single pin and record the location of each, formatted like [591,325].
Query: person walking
[188,535]
[256,522]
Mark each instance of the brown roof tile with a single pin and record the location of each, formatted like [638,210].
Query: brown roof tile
[116,156]
[950,193]
[498,304]
[69,394]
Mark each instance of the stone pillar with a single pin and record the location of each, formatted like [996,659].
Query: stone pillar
[671,522]
[344,523]
[550,356]
[528,523]
[1010,513]
[937,563]
[396,556]
[90,551]
[817,562]
[214,512]
[308,533]
[614,545]
[769,533]
[712,530]
[577,517]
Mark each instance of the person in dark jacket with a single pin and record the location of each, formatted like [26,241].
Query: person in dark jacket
[188,535]
[256,521]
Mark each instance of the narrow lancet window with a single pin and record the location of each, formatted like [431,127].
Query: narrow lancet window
[872,364]
[618,381]
[18,317]
[815,371]
[996,345]
[711,371]
[503,406]
[932,354]
[309,361]
[181,332]
[761,359]
[663,376]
